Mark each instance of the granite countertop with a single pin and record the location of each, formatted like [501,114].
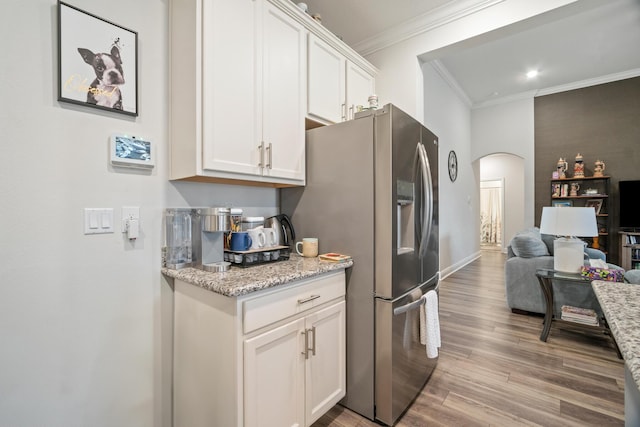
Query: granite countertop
[241,281]
[620,303]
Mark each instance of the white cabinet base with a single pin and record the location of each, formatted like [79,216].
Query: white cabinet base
[238,363]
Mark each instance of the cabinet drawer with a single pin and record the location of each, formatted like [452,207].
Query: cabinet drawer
[264,310]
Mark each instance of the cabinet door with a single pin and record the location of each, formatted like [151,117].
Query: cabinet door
[325,370]
[283,107]
[229,99]
[360,85]
[274,377]
[325,82]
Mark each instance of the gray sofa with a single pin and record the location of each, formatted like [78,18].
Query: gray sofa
[529,251]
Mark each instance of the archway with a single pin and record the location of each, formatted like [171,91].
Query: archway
[502,176]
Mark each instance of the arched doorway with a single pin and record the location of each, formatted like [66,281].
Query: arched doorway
[501,199]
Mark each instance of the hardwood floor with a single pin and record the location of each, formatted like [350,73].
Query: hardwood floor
[493,370]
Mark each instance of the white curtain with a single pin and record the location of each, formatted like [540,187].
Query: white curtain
[490,216]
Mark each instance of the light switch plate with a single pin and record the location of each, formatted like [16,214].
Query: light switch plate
[98,220]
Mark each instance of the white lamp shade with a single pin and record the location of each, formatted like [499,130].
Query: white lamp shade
[566,221]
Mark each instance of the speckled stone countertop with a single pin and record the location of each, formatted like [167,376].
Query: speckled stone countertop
[620,303]
[241,281]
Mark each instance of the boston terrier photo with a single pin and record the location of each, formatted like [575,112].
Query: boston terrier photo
[104,89]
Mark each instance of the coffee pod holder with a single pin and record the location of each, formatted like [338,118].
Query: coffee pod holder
[253,257]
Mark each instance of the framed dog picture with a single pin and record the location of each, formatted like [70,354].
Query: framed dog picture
[97,62]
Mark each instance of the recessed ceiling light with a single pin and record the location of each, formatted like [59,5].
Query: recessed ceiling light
[531,74]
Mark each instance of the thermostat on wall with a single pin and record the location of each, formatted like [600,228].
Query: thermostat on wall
[132,152]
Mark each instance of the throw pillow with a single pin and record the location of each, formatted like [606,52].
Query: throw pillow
[528,245]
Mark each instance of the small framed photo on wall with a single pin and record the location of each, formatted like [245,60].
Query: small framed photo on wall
[97,62]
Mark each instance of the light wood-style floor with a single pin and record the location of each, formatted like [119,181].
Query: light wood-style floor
[494,371]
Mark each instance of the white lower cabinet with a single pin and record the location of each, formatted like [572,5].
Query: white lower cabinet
[306,358]
[272,358]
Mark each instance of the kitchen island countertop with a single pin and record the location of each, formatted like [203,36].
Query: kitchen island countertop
[241,281]
[620,303]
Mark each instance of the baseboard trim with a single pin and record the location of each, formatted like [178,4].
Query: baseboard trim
[446,272]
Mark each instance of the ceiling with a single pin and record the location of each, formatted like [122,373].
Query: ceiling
[588,43]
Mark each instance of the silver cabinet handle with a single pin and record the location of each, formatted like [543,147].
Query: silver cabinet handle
[306,343]
[313,342]
[311,298]
[261,148]
[351,111]
[270,156]
[343,111]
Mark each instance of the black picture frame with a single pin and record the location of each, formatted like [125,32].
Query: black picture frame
[97,62]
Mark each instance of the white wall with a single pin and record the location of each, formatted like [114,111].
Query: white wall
[509,128]
[83,318]
[449,118]
[399,80]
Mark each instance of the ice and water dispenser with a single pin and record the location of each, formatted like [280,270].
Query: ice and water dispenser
[405,216]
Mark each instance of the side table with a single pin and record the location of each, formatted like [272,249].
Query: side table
[545,278]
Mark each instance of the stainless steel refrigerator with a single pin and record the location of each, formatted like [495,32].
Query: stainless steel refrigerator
[372,193]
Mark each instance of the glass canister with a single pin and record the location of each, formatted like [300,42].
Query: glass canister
[178,223]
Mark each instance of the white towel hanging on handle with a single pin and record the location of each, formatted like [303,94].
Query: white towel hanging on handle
[430,333]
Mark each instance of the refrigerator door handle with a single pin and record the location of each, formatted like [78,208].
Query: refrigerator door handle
[426,216]
[409,307]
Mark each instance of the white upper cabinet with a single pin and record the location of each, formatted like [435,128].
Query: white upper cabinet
[283,101]
[326,82]
[238,92]
[230,87]
[360,85]
[336,85]
[239,72]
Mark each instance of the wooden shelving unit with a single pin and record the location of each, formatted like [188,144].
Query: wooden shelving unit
[629,250]
[560,195]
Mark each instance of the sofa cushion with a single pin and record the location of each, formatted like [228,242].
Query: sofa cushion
[528,244]
[548,240]
[632,276]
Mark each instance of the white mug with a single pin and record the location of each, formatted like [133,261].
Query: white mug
[309,247]
[270,237]
[258,238]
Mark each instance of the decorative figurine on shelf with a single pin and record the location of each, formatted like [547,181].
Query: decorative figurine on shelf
[575,187]
[599,168]
[555,189]
[562,168]
[578,168]
[595,243]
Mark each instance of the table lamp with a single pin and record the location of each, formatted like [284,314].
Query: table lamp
[568,251]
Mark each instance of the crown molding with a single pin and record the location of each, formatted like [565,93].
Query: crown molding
[591,82]
[443,72]
[420,24]
[560,88]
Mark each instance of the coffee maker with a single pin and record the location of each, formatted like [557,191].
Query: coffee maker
[196,237]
